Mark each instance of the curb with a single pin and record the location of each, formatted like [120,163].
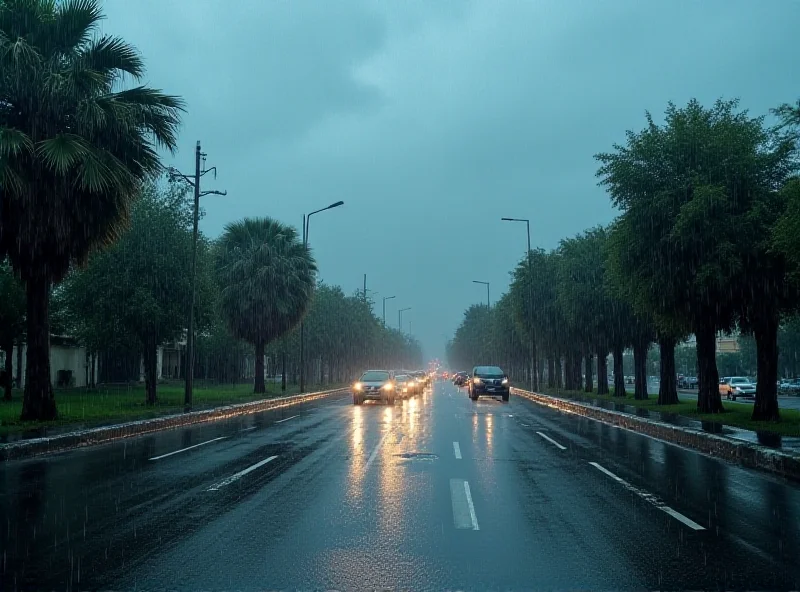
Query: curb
[102,435]
[747,454]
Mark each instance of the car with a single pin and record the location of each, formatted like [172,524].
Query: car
[736,386]
[405,385]
[460,378]
[422,380]
[488,381]
[376,385]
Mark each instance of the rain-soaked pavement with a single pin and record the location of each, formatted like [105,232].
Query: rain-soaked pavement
[435,493]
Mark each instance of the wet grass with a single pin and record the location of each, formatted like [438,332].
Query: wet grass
[735,415]
[81,407]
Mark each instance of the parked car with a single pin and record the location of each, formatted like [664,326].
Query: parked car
[737,386]
[376,385]
[789,386]
[488,381]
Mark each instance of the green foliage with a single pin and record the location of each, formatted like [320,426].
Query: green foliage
[12,306]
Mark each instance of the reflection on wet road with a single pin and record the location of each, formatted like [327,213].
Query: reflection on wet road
[437,492]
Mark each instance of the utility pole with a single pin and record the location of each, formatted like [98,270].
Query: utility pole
[400,318]
[385,298]
[365,287]
[534,363]
[306,228]
[194,181]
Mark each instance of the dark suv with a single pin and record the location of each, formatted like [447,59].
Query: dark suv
[489,381]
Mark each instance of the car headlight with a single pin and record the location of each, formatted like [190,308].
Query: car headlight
[411,383]
[505,381]
[358,386]
[476,380]
[387,387]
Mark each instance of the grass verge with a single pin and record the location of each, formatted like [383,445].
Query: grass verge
[81,407]
[735,415]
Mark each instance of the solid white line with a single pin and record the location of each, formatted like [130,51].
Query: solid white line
[553,442]
[457,450]
[375,451]
[471,507]
[240,474]
[248,429]
[649,497]
[287,419]
[188,448]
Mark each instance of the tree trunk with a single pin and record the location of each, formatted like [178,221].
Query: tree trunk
[19,363]
[551,372]
[577,363]
[8,348]
[259,386]
[150,370]
[708,397]
[619,371]
[602,371]
[766,404]
[535,365]
[589,386]
[38,402]
[668,383]
[569,372]
[283,371]
[640,370]
[559,376]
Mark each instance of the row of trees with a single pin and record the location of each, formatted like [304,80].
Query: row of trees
[708,241]
[84,226]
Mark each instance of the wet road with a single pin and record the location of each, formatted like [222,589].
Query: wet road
[435,493]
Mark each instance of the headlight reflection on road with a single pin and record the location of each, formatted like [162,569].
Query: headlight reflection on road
[387,417]
[489,434]
[412,415]
[358,429]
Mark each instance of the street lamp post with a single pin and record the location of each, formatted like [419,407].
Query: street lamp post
[488,305]
[530,297]
[400,318]
[306,224]
[385,298]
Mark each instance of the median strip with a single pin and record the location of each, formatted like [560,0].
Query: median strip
[747,454]
[106,434]
[650,498]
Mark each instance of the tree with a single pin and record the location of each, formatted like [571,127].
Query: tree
[677,185]
[266,279]
[12,321]
[74,149]
[135,292]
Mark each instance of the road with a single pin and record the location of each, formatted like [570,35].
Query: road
[434,493]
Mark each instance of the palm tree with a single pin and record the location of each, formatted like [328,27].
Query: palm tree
[266,279]
[74,148]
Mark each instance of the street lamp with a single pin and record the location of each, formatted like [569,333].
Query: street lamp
[385,298]
[400,318]
[306,223]
[487,291]
[530,295]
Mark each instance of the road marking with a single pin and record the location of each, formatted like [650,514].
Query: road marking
[287,419]
[188,448]
[240,474]
[248,429]
[463,509]
[649,497]
[375,451]
[457,450]
[553,442]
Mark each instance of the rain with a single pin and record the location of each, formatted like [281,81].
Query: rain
[399,295]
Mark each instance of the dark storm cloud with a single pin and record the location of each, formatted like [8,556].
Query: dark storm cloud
[434,119]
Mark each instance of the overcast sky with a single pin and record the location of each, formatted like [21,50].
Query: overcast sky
[432,119]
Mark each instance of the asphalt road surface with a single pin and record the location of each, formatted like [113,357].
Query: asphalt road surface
[434,493]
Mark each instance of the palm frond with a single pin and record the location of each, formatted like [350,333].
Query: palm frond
[13,142]
[112,56]
[63,151]
[73,26]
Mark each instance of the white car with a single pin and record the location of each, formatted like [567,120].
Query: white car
[737,386]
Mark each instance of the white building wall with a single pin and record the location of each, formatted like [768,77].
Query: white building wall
[62,357]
